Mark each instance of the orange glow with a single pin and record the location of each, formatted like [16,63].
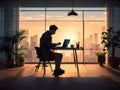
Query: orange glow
[67,29]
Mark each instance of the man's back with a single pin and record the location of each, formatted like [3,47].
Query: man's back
[45,40]
[45,46]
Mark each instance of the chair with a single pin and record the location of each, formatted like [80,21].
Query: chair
[42,61]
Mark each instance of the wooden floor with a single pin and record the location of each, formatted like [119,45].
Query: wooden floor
[89,77]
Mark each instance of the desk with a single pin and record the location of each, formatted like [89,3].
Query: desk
[75,57]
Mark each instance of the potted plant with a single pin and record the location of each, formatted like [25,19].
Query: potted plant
[19,54]
[20,57]
[101,58]
[12,48]
[111,41]
[7,46]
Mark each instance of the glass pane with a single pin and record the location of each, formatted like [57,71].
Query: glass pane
[32,15]
[94,15]
[90,56]
[93,39]
[93,34]
[35,30]
[62,15]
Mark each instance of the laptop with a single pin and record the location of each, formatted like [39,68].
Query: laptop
[65,43]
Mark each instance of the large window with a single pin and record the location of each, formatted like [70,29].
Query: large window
[85,28]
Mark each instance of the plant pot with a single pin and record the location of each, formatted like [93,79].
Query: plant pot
[20,63]
[10,63]
[101,60]
[114,61]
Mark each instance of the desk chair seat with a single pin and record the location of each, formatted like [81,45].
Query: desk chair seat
[42,61]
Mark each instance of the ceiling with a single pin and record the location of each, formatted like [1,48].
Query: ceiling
[61,3]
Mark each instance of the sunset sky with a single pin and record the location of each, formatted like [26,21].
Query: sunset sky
[69,27]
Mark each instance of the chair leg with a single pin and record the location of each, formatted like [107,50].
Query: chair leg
[50,66]
[37,66]
[44,67]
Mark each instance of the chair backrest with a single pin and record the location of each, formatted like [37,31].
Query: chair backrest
[38,52]
[43,56]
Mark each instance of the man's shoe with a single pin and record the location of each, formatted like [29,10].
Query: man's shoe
[61,70]
[58,72]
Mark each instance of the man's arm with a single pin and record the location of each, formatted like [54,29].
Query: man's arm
[55,44]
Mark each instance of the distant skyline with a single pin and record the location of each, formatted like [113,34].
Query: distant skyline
[69,27]
[91,46]
[34,21]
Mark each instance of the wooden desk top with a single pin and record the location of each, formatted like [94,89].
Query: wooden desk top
[61,48]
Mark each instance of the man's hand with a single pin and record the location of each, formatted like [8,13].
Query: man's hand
[59,43]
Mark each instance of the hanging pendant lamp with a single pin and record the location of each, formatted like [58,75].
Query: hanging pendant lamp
[72,12]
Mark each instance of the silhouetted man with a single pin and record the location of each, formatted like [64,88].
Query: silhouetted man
[47,47]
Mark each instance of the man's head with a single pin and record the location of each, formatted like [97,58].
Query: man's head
[52,29]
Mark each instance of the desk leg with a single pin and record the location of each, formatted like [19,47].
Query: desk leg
[75,59]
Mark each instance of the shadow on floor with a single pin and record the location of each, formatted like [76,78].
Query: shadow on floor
[18,81]
[115,71]
[61,83]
